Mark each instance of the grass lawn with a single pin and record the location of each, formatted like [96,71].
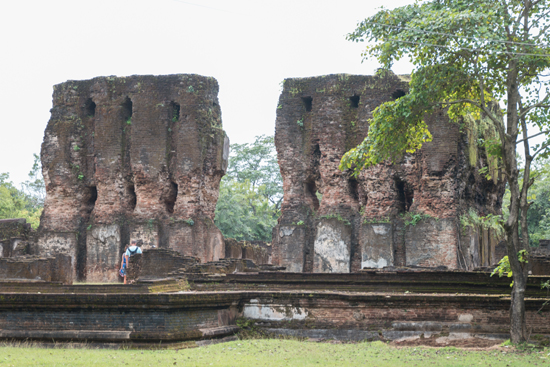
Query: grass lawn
[275,352]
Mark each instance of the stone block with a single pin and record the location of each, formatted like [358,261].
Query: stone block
[332,247]
[103,253]
[376,244]
[291,241]
[432,242]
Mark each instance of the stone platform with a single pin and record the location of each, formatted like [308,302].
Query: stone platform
[357,306]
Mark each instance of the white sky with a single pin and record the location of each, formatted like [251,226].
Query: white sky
[248,46]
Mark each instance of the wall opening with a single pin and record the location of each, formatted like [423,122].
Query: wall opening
[405,195]
[174,111]
[127,111]
[92,198]
[311,191]
[308,103]
[171,197]
[398,94]
[132,198]
[354,101]
[89,108]
[353,186]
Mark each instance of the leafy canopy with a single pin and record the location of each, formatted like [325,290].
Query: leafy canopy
[251,192]
[462,52]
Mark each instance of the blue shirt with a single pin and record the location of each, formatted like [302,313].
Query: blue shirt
[133,248]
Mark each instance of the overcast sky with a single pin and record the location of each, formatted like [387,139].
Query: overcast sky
[248,46]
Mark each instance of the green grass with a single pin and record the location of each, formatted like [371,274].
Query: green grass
[274,352]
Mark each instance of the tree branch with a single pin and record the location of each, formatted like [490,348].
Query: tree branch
[541,149]
[532,136]
[536,105]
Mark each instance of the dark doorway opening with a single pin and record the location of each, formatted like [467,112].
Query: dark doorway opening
[127,107]
[171,198]
[353,188]
[174,111]
[354,101]
[89,108]
[132,198]
[92,198]
[308,103]
[405,195]
[398,94]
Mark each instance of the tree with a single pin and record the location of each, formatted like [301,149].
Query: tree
[468,55]
[251,192]
[538,215]
[15,203]
[34,187]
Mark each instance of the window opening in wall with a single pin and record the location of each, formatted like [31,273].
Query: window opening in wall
[175,111]
[353,188]
[171,198]
[89,107]
[92,197]
[127,111]
[354,101]
[132,198]
[312,193]
[398,94]
[405,195]
[308,103]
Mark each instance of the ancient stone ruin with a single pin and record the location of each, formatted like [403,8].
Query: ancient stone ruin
[406,214]
[127,158]
[142,157]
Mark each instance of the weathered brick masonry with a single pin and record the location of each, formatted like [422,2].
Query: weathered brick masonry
[15,235]
[392,214]
[125,158]
[367,305]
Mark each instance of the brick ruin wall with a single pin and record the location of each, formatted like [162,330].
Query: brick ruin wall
[333,222]
[127,158]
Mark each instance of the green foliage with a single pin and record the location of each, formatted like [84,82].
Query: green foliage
[462,52]
[25,203]
[538,215]
[76,148]
[300,122]
[504,267]
[336,216]
[490,221]
[251,192]
[412,219]
[34,188]
[129,121]
[190,221]
[190,89]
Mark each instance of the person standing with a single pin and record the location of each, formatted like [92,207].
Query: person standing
[131,250]
[123,264]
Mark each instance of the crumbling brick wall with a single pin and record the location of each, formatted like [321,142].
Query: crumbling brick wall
[16,236]
[125,158]
[47,268]
[257,251]
[391,214]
